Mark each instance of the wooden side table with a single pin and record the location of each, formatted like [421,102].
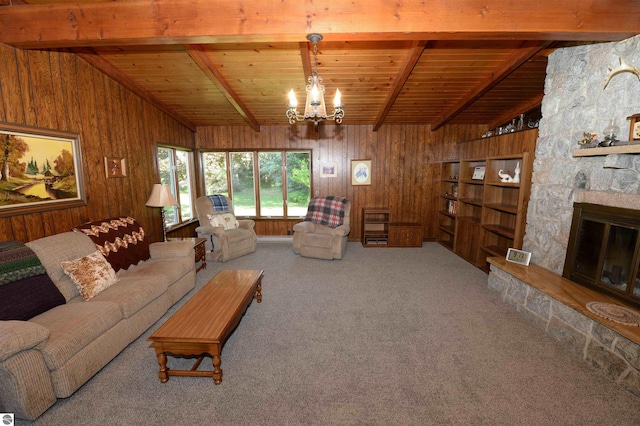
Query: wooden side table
[199,249]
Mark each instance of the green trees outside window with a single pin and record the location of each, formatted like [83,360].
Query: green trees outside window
[175,167]
[260,183]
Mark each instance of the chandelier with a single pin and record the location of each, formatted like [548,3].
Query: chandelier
[315,109]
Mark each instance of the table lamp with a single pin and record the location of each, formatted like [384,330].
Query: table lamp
[162,197]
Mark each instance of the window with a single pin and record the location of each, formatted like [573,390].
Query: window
[260,183]
[175,166]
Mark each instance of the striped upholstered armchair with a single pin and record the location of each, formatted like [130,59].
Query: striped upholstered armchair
[323,234]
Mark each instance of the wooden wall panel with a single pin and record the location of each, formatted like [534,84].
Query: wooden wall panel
[61,91]
[405,164]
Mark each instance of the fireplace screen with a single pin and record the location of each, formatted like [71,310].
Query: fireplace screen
[603,250]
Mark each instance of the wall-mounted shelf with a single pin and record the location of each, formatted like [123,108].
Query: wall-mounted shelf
[620,149]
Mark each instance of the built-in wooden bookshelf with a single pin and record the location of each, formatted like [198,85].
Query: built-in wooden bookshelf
[480,213]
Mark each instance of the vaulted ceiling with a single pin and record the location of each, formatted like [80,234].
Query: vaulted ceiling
[211,62]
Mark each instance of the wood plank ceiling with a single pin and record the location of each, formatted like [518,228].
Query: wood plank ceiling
[211,62]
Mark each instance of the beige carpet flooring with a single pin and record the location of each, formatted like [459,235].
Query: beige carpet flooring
[383,337]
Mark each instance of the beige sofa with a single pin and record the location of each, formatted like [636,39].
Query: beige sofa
[53,354]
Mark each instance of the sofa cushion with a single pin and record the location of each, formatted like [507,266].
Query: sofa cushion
[167,270]
[133,293]
[121,240]
[73,326]
[28,297]
[92,274]
[54,250]
[239,234]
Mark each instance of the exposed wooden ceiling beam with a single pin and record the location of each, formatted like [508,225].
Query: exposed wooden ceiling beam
[200,57]
[306,60]
[106,67]
[519,57]
[403,74]
[139,22]
[517,110]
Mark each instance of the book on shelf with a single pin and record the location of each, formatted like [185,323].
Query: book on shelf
[452,207]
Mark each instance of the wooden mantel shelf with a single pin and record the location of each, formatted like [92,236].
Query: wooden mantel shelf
[620,149]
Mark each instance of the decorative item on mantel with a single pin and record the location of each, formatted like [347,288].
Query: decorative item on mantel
[634,127]
[589,140]
[610,133]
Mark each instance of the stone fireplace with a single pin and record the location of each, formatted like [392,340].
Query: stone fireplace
[604,249]
[575,101]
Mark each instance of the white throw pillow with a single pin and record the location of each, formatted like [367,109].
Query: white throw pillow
[230,220]
[216,221]
[225,220]
[92,274]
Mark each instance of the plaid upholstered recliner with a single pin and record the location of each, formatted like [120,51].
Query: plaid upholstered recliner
[323,234]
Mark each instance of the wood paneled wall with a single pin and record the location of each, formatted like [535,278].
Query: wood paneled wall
[61,91]
[405,164]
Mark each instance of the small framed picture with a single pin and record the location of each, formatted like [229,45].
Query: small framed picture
[329,169]
[478,173]
[360,172]
[518,256]
[634,127]
[115,167]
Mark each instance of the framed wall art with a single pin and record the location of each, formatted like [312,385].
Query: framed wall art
[329,169]
[360,172]
[40,169]
[115,167]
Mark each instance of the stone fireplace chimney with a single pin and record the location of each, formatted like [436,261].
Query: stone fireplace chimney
[575,101]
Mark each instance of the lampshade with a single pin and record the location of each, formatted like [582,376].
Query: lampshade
[161,196]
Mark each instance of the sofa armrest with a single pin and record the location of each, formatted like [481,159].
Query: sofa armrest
[304,227]
[171,249]
[342,230]
[247,223]
[18,336]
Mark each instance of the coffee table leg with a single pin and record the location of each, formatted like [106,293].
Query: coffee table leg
[217,371]
[258,295]
[162,374]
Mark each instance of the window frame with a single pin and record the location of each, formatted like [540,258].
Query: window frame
[256,177]
[175,184]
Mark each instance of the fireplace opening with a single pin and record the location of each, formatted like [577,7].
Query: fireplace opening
[603,251]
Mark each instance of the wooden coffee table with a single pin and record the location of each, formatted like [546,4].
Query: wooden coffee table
[203,324]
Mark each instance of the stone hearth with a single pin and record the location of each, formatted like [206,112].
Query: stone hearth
[558,306]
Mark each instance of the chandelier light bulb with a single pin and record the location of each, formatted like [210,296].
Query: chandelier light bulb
[293,102]
[337,100]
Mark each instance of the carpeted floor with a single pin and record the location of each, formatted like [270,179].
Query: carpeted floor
[385,336]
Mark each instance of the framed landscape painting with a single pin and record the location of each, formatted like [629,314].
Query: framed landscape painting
[40,169]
